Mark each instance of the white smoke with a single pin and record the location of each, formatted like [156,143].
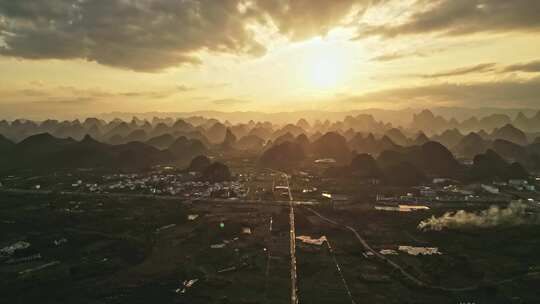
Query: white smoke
[514,214]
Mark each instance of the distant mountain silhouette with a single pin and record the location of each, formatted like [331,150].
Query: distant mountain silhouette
[421,139]
[524,123]
[261,132]
[303,141]
[510,133]
[331,145]
[182,126]
[250,143]
[397,137]
[216,172]
[430,158]
[160,129]
[68,129]
[491,166]
[303,124]
[195,134]
[390,158]
[136,135]
[283,138]
[511,151]
[283,156]
[434,158]
[229,141]
[426,121]
[450,138]
[184,149]
[403,174]
[493,121]
[471,145]
[5,144]
[162,141]
[44,151]
[199,163]
[289,128]
[216,133]
[122,129]
[364,166]
[371,145]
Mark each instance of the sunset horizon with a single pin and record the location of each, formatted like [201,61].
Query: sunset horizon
[270,151]
[91,57]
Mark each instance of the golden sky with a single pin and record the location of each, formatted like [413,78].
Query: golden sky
[81,57]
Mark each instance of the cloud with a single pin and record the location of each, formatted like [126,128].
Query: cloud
[460,17]
[504,93]
[528,67]
[396,55]
[301,19]
[68,94]
[144,36]
[479,68]
[152,35]
[482,68]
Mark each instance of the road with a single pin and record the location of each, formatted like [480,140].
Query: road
[292,237]
[268,257]
[381,257]
[163,197]
[338,267]
[291,203]
[294,277]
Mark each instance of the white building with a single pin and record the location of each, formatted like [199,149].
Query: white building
[491,189]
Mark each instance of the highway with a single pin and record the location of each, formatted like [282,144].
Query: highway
[292,238]
[294,278]
[291,203]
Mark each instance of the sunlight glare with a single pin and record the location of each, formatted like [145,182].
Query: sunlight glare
[326,65]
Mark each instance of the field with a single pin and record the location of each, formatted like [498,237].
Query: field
[499,265]
[107,249]
[134,250]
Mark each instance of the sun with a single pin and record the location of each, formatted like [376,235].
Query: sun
[327,72]
[326,66]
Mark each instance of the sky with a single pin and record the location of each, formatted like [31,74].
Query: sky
[82,57]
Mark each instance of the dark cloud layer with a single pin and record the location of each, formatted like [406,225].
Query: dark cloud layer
[150,35]
[301,19]
[528,67]
[142,35]
[522,93]
[479,68]
[458,17]
[395,55]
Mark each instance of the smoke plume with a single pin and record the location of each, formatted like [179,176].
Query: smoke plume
[514,214]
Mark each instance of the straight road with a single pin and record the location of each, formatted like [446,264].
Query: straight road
[292,237]
[294,283]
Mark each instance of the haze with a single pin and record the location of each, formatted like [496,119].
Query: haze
[67,58]
[270,151]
